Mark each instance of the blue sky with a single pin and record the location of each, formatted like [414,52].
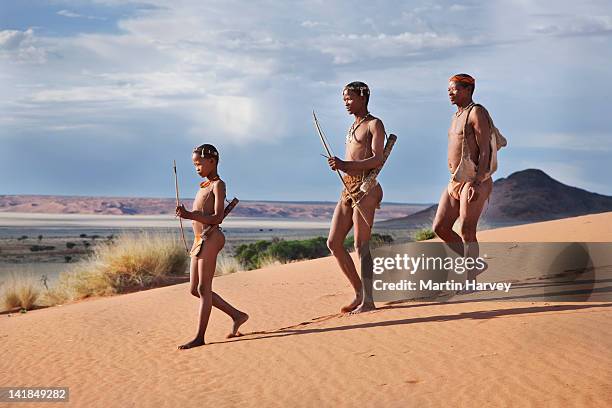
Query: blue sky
[100,96]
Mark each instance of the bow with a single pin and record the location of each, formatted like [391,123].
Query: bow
[329,154]
[177,204]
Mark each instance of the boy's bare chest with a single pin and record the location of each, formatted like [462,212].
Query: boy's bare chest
[203,198]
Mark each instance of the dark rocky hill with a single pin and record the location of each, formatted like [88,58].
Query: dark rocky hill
[525,196]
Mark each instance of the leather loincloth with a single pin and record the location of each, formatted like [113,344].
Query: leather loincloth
[198,242]
[353,183]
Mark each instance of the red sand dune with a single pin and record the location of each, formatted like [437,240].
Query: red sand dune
[298,352]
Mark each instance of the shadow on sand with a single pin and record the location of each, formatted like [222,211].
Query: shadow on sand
[302,328]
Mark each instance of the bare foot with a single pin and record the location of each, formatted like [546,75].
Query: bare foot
[353,305]
[364,307]
[237,323]
[193,343]
[473,273]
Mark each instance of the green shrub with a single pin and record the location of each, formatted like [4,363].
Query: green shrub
[248,254]
[424,234]
[286,251]
[376,240]
[37,248]
[261,253]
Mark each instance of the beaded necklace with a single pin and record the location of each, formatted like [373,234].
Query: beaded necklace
[350,136]
[208,182]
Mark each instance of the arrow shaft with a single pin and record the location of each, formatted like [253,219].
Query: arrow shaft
[176,189]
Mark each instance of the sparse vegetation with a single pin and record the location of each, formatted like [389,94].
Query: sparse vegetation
[249,254]
[38,248]
[227,264]
[285,251]
[376,240]
[70,245]
[132,261]
[424,234]
[264,253]
[268,260]
[56,295]
[20,293]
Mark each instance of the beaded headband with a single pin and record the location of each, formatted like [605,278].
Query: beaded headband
[362,89]
[206,150]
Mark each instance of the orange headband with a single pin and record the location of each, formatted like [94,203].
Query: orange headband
[463,78]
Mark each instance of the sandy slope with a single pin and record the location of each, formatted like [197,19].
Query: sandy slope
[586,228]
[121,351]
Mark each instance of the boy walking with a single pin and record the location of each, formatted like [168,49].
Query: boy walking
[208,210]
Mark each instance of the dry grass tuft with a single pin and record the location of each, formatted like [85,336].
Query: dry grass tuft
[131,261]
[20,292]
[227,264]
[266,261]
[55,295]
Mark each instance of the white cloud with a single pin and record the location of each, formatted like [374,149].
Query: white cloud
[242,73]
[458,7]
[12,39]
[72,14]
[578,25]
[349,48]
[234,116]
[195,61]
[310,24]
[21,46]
[427,8]
[68,13]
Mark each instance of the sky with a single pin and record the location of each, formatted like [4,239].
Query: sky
[98,97]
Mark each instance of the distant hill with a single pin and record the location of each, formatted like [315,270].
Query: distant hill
[153,206]
[525,196]
[532,195]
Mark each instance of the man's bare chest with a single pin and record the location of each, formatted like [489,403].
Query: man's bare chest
[457,129]
[358,142]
